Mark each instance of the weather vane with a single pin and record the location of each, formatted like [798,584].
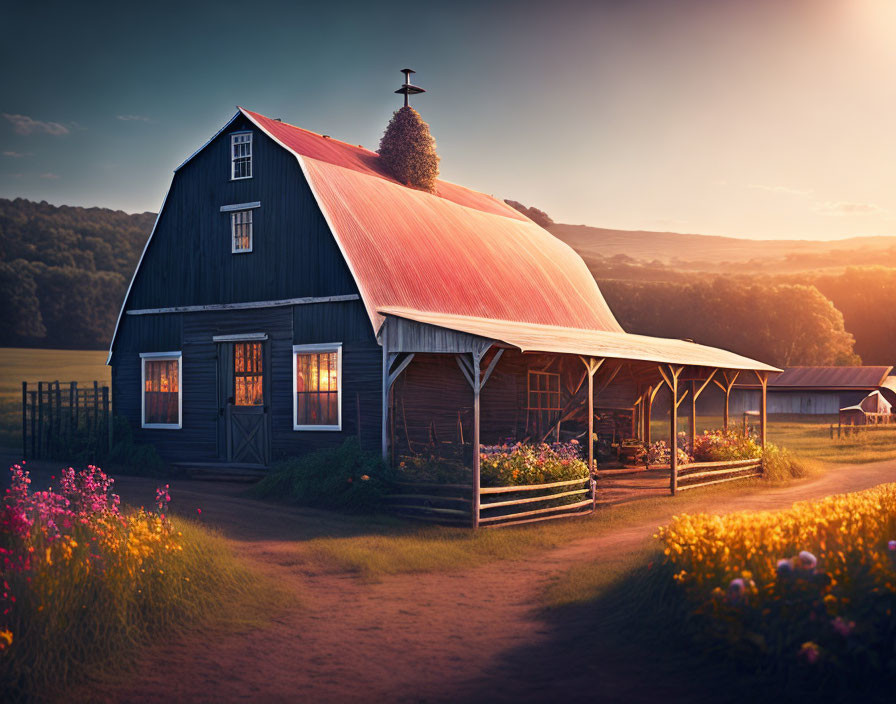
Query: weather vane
[408,88]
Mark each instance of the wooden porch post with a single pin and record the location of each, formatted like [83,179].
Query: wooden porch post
[730,379]
[389,377]
[670,376]
[692,431]
[763,407]
[385,403]
[591,365]
[476,379]
[651,394]
[477,388]
[673,437]
[725,417]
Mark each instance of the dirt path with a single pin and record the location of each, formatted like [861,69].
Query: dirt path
[475,635]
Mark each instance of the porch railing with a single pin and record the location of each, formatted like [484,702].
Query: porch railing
[696,474]
[452,503]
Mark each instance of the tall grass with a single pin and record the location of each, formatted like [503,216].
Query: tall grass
[86,586]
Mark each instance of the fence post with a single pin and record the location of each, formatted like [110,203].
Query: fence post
[24,419]
[108,419]
[72,417]
[58,416]
[33,395]
[40,417]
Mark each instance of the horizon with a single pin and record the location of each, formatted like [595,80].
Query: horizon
[762,120]
[563,224]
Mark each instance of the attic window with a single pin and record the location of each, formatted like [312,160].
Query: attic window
[241,231]
[240,225]
[241,155]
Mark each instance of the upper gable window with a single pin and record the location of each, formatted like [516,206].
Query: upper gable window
[241,225]
[240,155]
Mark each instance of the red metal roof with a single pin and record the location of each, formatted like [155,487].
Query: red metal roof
[456,251]
[830,378]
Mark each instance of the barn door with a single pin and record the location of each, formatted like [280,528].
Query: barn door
[244,372]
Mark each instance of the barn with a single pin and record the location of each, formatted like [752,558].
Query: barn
[814,391]
[292,295]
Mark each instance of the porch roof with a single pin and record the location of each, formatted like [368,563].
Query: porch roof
[531,337]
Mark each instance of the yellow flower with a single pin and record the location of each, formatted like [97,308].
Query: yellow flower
[5,638]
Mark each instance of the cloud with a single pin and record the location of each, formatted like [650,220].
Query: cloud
[23,124]
[834,208]
[16,155]
[840,208]
[132,118]
[49,176]
[784,190]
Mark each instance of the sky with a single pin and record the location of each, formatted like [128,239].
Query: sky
[748,118]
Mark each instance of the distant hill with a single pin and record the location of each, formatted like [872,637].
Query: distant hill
[715,253]
[64,271]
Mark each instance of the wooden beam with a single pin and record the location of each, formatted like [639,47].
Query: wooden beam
[672,380]
[247,305]
[705,384]
[477,388]
[730,379]
[591,366]
[692,429]
[763,408]
[491,366]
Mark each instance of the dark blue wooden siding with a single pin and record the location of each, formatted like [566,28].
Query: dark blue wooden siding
[189,262]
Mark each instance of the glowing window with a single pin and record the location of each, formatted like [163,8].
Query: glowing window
[248,377]
[161,380]
[317,402]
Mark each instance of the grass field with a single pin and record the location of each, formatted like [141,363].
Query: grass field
[808,437]
[32,365]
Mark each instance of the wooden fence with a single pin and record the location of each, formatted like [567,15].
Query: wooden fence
[695,474]
[61,420]
[452,503]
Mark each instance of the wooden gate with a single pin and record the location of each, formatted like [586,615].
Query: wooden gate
[63,421]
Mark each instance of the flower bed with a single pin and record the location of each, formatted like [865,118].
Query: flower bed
[520,464]
[84,581]
[813,586]
[710,446]
[724,445]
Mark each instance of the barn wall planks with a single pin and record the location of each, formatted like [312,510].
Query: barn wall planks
[201,437]
[189,261]
[432,393]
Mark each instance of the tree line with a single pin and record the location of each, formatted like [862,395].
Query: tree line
[64,271]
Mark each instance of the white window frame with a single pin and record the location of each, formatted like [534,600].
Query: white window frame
[250,223]
[233,142]
[233,209]
[306,349]
[158,357]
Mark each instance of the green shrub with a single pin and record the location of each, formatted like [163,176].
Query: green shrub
[130,458]
[780,465]
[430,468]
[343,478]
